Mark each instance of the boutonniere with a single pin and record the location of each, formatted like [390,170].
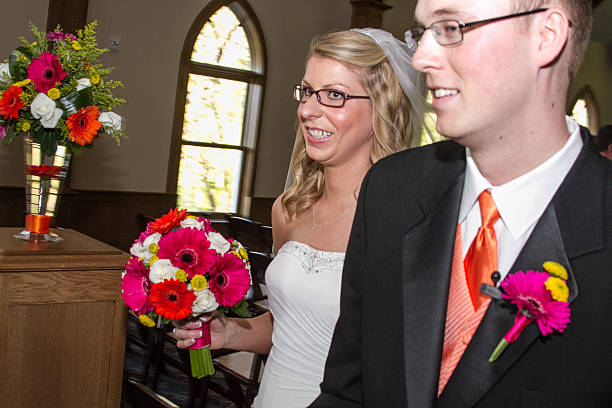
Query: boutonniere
[539,296]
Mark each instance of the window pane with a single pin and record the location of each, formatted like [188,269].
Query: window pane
[209,179]
[581,113]
[223,41]
[214,110]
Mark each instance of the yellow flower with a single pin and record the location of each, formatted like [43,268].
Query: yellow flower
[153,248]
[146,320]
[558,289]
[22,83]
[555,269]
[181,275]
[94,78]
[199,282]
[21,58]
[242,253]
[152,260]
[53,93]
[76,46]
[25,126]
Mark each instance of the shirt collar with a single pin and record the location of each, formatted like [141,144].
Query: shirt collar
[522,201]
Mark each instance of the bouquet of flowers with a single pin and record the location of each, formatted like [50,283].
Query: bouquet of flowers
[56,89]
[180,268]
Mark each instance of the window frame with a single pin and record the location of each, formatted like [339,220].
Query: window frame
[254,99]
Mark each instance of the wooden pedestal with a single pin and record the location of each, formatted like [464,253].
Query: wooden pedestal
[62,322]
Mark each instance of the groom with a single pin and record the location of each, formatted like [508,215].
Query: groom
[517,185]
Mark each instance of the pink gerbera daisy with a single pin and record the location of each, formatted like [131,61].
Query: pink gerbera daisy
[527,290]
[188,249]
[135,286]
[45,72]
[229,280]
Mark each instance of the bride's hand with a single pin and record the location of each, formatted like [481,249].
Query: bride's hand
[186,331]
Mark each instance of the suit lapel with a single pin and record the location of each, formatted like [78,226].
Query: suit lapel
[564,231]
[544,244]
[426,249]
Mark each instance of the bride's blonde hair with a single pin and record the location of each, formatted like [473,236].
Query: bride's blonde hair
[396,126]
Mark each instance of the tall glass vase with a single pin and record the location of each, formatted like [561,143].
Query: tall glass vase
[44,177]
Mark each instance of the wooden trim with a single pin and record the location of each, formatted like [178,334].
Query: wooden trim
[71,15]
[367,13]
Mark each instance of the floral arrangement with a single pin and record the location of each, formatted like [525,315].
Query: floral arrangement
[180,268]
[55,88]
[539,296]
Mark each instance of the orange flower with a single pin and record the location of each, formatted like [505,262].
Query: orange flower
[171,299]
[167,221]
[10,103]
[84,125]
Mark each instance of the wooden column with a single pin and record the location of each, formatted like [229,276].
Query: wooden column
[70,14]
[367,13]
[62,322]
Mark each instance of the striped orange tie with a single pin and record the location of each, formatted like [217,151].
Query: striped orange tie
[481,259]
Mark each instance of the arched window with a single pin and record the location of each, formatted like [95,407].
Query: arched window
[584,110]
[218,109]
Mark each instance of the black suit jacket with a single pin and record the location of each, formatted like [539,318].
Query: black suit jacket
[387,346]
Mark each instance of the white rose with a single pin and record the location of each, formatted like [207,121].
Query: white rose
[5,73]
[83,83]
[42,107]
[51,123]
[218,243]
[192,222]
[110,120]
[151,239]
[204,302]
[138,250]
[161,270]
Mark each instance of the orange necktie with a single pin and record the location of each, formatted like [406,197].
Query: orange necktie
[481,259]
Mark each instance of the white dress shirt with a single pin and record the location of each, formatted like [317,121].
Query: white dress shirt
[520,202]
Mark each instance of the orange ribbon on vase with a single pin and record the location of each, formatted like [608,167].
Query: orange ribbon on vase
[38,224]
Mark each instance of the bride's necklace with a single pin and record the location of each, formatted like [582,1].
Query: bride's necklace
[314,218]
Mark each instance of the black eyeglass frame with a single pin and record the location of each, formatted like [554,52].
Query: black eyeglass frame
[417,32]
[345,97]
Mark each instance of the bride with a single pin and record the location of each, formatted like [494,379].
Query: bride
[359,102]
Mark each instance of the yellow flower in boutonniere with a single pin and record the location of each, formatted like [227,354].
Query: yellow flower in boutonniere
[76,46]
[555,269]
[558,288]
[146,320]
[53,93]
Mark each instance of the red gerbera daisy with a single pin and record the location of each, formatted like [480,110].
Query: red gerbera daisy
[171,299]
[11,102]
[45,72]
[84,125]
[135,286]
[188,249]
[229,280]
[167,221]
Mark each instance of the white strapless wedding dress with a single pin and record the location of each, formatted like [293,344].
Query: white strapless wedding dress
[303,286]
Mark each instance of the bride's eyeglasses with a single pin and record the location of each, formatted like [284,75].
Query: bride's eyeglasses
[326,97]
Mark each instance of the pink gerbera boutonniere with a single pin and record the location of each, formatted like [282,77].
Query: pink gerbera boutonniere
[539,296]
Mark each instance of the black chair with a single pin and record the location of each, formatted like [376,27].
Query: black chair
[252,234]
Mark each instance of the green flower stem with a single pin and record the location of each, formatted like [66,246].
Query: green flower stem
[501,346]
[201,362]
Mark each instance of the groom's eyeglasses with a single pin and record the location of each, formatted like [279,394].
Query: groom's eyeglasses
[449,32]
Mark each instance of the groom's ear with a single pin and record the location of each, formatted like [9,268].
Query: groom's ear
[552,32]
